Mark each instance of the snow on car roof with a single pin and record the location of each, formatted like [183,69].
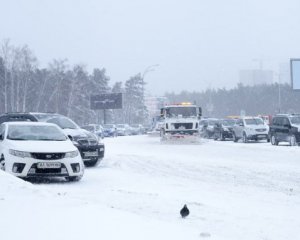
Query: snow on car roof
[30,123]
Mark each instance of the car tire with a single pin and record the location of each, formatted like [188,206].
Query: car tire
[293,140]
[222,138]
[235,139]
[74,179]
[245,139]
[274,141]
[2,163]
[92,163]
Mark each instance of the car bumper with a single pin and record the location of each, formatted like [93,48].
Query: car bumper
[28,167]
[91,153]
[261,136]
[227,134]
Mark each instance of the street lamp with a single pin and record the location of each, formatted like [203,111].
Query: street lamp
[148,69]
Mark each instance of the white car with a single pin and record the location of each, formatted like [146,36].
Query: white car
[35,149]
[250,128]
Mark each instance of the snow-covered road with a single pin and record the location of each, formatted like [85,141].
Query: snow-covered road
[233,190]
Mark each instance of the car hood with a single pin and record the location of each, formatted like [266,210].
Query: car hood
[42,146]
[76,132]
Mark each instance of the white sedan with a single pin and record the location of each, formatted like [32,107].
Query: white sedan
[34,149]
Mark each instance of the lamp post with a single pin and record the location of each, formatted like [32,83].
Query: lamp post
[279,91]
[148,69]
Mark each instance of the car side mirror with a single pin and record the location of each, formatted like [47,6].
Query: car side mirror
[241,124]
[200,112]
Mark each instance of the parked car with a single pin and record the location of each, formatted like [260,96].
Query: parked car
[206,127]
[223,129]
[250,128]
[89,146]
[110,130]
[33,149]
[97,129]
[137,129]
[285,128]
[123,129]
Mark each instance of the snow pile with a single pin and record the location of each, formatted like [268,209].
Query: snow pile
[28,212]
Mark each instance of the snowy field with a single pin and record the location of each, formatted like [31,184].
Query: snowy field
[234,191]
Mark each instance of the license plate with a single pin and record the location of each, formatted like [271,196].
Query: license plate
[91,154]
[48,165]
[261,136]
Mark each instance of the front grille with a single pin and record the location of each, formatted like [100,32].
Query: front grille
[183,126]
[261,130]
[35,171]
[48,156]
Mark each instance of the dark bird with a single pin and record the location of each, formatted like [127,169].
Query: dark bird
[184,212]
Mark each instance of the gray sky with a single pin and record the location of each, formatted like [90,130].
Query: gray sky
[197,44]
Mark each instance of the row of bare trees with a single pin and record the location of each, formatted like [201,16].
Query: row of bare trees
[60,88]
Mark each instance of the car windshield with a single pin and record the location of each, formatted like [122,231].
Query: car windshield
[63,122]
[295,120]
[212,122]
[254,121]
[228,122]
[35,133]
[181,111]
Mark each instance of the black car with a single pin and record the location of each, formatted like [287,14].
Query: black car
[285,128]
[88,144]
[223,129]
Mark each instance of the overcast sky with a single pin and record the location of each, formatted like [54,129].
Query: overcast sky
[197,44]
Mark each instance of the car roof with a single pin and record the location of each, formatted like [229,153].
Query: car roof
[30,123]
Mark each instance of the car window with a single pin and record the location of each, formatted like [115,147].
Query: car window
[35,133]
[295,120]
[280,121]
[63,122]
[285,121]
[254,121]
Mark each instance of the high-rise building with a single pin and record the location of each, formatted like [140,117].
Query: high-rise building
[251,77]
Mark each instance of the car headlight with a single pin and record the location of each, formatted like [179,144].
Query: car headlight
[19,153]
[71,154]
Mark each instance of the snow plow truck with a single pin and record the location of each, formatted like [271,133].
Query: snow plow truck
[180,122]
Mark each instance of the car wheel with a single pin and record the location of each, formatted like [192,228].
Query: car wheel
[2,163]
[235,139]
[274,140]
[92,163]
[293,141]
[74,179]
[222,137]
[245,139]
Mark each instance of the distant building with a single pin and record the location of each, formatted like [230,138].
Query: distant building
[251,77]
[153,105]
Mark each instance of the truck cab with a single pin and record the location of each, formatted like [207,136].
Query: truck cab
[180,121]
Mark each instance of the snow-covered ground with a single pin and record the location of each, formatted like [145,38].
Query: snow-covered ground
[233,190]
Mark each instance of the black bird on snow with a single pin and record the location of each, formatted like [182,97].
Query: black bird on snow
[184,212]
